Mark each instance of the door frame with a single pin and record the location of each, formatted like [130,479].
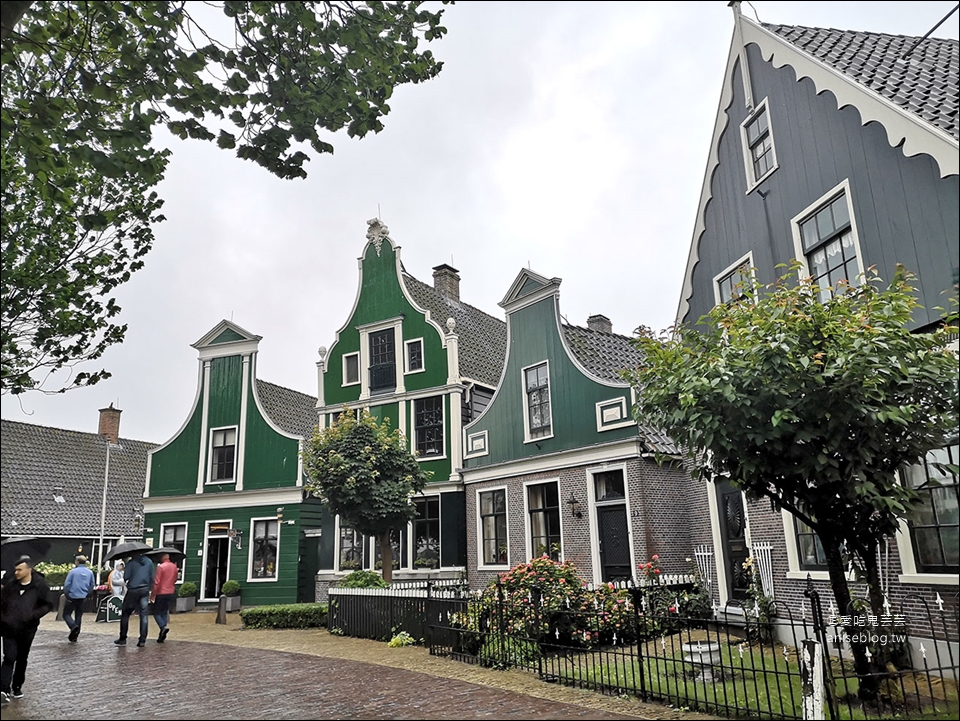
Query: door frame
[719,547]
[594,530]
[207,536]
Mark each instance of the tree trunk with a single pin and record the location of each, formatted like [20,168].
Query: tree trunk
[386,557]
[841,592]
[10,13]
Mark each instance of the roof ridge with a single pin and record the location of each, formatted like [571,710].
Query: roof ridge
[461,302]
[73,430]
[291,390]
[856,32]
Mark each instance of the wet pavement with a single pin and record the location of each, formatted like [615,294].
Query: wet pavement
[94,679]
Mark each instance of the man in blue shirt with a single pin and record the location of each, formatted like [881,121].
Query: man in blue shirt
[79,584]
[138,575]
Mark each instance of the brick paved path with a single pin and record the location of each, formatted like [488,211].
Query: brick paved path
[94,679]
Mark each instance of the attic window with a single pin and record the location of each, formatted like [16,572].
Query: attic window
[224,454]
[758,149]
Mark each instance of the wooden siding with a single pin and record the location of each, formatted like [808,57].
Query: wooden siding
[534,338]
[173,468]
[270,459]
[905,213]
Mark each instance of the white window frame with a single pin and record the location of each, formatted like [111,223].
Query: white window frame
[186,535]
[484,450]
[345,381]
[406,357]
[337,527]
[481,566]
[843,187]
[236,456]
[413,426]
[398,348]
[527,528]
[753,182]
[412,540]
[524,401]
[793,553]
[276,576]
[603,407]
[747,260]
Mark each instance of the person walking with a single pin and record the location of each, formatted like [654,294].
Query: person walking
[78,585]
[164,591]
[138,575]
[115,580]
[24,600]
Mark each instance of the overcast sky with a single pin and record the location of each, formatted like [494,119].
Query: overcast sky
[569,137]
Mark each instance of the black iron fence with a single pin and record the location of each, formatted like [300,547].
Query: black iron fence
[736,661]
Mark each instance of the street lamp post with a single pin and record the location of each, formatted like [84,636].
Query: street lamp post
[103,510]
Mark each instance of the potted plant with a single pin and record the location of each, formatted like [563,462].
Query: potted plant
[231,589]
[186,596]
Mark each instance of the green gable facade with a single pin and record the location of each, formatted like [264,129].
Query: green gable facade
[227,488]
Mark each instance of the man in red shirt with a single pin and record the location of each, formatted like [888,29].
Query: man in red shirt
[164,593]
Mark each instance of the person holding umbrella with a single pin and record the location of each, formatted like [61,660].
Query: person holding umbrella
[138,575]
[77,586]
[164,591]
[24,600]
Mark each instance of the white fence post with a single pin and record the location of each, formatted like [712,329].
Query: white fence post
[811,675]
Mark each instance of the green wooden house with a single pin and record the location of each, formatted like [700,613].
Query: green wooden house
[418,355]
[556,464]
[227,488]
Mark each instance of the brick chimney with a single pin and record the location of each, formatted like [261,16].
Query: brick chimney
[600,323]
[447,281]
[110,424]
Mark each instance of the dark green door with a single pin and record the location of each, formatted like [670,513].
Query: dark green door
[614,543]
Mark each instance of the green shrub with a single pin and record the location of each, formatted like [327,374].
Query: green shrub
[187,589]
[507,652]
[230,588]
[290,615]
[362,579]
[401,639]
[56,573]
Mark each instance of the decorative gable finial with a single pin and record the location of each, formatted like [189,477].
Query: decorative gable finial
[451,324]
[376,233]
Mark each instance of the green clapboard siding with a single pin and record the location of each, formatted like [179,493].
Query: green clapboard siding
[226,380]
[270,458]
[173,468]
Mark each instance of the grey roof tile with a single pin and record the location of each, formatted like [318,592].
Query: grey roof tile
[924,84]
[294,412]
[36,461]
[482,339]
[605,355]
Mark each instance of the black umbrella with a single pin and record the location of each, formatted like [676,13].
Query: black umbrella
[11,549]
[127,549]
[176,555]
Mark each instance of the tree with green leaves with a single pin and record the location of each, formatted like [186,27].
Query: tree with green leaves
[813,403]
[363,471]
[85,85]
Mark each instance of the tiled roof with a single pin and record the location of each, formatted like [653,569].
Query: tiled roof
[925,84]
[604,355]
[292,411]
[38,463]
[482,339]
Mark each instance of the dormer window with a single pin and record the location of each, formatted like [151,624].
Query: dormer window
[758,149]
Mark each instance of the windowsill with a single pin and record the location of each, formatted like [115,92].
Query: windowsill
[933,579]
[262,580]
[349,385]
[414,372]
[502,567]
[753,186]
[423,459]
[538,439]
[226,482]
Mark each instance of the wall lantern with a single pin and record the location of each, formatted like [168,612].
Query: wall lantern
[574,506]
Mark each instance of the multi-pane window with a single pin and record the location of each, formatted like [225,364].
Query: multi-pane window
[351,549]
[351,369]
[828,244]
[543,503]
[608,486]
[426,533]
[759,144]
[383,363]
[224,454]
[265,535]
[414,356]
[493,525]
[175,536]
[809,549]
[396,544]
[935,524]
[428,426]
[732,286]
[537,383]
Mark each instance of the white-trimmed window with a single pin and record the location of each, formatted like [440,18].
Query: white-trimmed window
[351,369]
[731,283]
[538,419]
[426,533]
[351,556]
[383,362]
[477,444]
[935,524]
[174,535]
[264,549]
[810,553]
[494,549]
[543,511]
[223,454]
[758,148]
[413,357]
[428,426]
[826,238]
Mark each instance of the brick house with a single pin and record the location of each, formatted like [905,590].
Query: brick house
[556,464]
[838,149]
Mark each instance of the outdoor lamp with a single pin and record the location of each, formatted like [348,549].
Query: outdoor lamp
[574,506]
[279,513]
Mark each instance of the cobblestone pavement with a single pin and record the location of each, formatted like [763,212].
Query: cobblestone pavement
[211,671]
